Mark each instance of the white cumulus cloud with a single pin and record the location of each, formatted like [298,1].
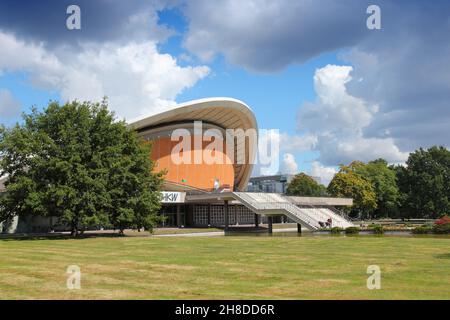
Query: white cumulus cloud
[288,165]
[276,151]
[338,120]
[325,174]
[137,79]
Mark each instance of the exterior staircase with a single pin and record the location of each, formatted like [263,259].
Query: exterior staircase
[277,204]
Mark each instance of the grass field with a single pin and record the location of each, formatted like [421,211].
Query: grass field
[310,267]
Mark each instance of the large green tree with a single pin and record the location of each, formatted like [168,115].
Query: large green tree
[384,183]
[76,162]
[425,183]
[348,183]
[304,185]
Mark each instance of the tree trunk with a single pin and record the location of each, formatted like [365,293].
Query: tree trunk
[74,231]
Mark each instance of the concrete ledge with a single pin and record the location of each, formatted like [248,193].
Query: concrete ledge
[321,201]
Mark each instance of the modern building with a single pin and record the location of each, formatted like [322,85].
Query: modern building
[213,194]
[275,183]
[207,149]
[270,184]
[217,115]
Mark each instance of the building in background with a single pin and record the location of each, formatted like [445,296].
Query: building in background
[272,184]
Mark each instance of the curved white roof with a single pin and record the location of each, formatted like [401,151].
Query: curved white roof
[227,113]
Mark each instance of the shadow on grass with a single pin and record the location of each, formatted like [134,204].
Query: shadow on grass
[443,256]
[112,234]
[61,236]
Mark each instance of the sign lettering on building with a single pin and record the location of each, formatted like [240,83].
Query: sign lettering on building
[173,197]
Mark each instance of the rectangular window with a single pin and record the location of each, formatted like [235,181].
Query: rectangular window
[217,215]
[201,215]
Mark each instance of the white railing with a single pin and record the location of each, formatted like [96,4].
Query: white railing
[267,203]
[263,202]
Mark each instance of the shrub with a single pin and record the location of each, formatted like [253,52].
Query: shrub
[443,220]
[377,229]
[441,228]
[336,230]
[442,225]
[352,230]
[422,229]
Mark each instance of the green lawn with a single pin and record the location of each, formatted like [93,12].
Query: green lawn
[248,267]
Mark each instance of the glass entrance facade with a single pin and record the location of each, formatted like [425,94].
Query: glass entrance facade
[171,213]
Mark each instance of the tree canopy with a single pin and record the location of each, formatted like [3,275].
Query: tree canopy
[304,185]
[348,183]
[420,188]
[384,183]
[425,183]
[75,162]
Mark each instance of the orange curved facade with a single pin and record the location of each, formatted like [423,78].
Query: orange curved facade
[202,176]
[219,113]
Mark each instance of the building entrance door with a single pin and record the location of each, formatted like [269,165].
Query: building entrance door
[173,215]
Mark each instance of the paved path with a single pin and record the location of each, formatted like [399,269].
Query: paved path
[218,233]
[193,234]
[287,230]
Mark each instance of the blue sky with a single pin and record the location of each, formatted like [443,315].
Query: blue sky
[283,91]
[335,90]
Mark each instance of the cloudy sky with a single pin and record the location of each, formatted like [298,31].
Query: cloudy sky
[336,90]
